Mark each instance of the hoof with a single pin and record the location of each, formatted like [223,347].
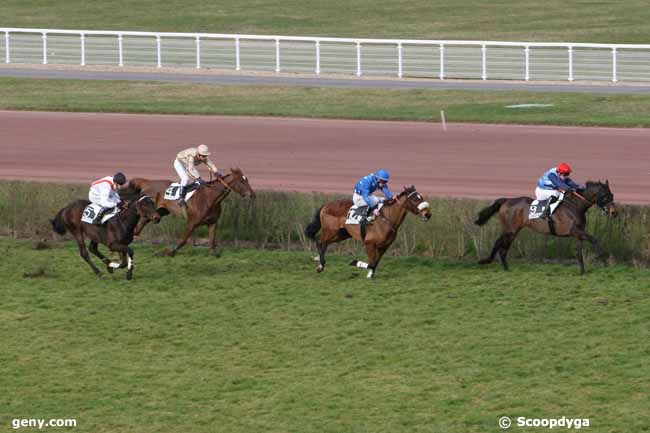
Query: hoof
[216,254]
[109,269]
[129,275]
[484,262]
[320,268]
[354,262]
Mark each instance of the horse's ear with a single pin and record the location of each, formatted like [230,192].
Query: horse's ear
[607,182]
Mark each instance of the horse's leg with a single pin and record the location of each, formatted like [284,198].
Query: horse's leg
[130,263]
[581,262]
[322,248]
[122,250]
[83,252]
[213,239]
[189,228]
[495,249]
[93,249]
[582,235]
[373,254]
[503,251]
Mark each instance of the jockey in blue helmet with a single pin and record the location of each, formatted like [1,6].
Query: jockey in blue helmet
[367,185]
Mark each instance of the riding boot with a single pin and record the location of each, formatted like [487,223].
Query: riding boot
[547,212]
[369,214]
[181,199]
[100,214]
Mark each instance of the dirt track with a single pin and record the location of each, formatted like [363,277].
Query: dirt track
[481,161]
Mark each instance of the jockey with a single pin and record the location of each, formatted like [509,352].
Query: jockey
[104,192]
[553,183]
[185,164]
[367,185]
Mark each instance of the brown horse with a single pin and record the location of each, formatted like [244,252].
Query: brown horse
[569,219]
[203,209]
[116,234]
[379,234]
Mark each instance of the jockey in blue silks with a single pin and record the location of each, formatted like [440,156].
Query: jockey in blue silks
[367,185]
[553,183]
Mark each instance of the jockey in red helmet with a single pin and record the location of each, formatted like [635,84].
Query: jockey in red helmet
[554,182]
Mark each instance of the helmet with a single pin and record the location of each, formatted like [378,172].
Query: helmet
[203,150]
[119,178]
[563,168]
[383,175]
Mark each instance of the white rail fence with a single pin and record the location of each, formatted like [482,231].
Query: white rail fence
[483,60]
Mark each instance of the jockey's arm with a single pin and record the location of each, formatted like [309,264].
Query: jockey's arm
[387,193]
[559,183]
[574,185]
[191,171]
[366,197]
[108,197]
[212,167]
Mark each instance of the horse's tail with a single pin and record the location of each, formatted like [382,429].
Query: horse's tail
[57,223]
[486,213]
[313,227]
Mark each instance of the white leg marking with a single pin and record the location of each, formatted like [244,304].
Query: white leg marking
[370,273]
[129,265]
[362,265]
[114,265]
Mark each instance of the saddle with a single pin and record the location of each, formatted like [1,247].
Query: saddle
[543,208]
[92,210]
[173,191]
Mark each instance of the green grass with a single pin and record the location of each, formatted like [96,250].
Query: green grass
[528,20]
[257,341]
[419,105]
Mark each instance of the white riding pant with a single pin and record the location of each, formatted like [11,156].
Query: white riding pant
[182,173]
[543,194]
[358,200]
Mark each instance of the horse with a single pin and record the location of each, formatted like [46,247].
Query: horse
[569,219]
[116,234]
[379,234]
[203,209]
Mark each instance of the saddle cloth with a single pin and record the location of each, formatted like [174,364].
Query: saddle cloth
[537,207]
[90,214]
[356,214]
[173,192]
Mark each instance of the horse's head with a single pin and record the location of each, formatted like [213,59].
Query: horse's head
[414,203]
[599,193]
[238,182]
[146,209]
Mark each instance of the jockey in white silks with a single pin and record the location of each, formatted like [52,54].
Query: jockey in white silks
[185,164]
[104,192]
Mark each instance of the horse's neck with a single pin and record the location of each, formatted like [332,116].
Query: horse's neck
[582,206]
[395,213]
[130,218]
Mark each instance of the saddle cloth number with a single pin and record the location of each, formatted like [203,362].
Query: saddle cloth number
[356,214]
[90,214]
[173,192]
[537,207]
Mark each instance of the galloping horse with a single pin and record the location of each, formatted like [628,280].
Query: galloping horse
[203,209]
[116,234]
[569,219]
[379,235]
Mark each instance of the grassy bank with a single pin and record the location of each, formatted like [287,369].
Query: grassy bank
[277,219]
[257,341]
[527,20]
[422,105]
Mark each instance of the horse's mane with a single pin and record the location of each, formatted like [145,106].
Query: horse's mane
[406,191]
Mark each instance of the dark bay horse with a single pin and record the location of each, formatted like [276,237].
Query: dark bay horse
[116,234]
[569,219]
[203,209]
[380,234]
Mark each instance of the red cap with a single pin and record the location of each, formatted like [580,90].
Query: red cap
[563,168]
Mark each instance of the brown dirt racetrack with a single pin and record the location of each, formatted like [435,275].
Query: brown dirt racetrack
[468,160]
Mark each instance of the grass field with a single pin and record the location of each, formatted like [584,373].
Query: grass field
[528,20]
[257,341]
[422,105]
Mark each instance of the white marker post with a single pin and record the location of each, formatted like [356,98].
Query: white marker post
[442,117]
